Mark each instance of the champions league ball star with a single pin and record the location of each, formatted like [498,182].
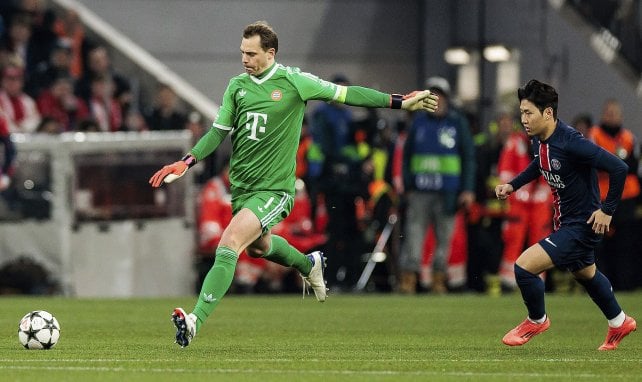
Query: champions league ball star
[38,330]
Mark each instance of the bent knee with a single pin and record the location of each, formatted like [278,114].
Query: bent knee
[585,274]
[255,252]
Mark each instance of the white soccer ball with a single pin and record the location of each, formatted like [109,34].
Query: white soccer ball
[38,330]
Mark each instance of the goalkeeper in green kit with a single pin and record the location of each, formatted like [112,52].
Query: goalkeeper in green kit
[263,109]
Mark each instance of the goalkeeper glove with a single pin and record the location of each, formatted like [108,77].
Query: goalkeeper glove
[417,100]
[173,171]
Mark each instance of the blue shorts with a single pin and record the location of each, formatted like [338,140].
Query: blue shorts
[572,248]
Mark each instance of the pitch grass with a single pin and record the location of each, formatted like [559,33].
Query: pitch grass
[348,338]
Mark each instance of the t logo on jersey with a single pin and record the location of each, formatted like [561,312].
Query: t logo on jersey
[253,124]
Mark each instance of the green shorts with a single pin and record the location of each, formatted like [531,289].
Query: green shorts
[271,207]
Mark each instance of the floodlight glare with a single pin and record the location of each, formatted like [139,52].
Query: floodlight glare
[457,56]
[496,53]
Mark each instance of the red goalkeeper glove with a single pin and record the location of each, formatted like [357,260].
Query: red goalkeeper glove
[173,171]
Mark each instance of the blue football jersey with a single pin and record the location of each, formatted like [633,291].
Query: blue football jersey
[569,163]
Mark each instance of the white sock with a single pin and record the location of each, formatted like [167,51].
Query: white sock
[541,320]
[618,320]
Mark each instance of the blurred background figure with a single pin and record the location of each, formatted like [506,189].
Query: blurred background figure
[583,123]
[214,212]
[9,150]
[530,210]
[309,165]
[19,108]
[486,215]
[166,113]
[60,103]
[341,183]
[439,177]
[617,255]
[99,67]
[103,107]
[14,44]
[7,169]
[47,71]
[69,28]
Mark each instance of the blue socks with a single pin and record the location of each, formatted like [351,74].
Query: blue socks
[532,288]
[600,290]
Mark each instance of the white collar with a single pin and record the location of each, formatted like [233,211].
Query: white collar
[259,81]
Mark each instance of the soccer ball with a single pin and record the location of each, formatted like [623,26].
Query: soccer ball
[38,330]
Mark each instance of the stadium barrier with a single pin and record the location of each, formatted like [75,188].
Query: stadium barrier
[80,205]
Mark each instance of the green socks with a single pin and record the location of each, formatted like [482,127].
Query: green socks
[281,252]
[219,278]
[216,284]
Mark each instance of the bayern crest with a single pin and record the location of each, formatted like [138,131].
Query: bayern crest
[276,95]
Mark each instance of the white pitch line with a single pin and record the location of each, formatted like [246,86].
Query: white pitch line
[317,372]
[314,360]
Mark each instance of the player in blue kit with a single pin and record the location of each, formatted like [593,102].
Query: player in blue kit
[569,163]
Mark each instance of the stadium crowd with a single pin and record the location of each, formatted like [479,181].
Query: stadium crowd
[356,170]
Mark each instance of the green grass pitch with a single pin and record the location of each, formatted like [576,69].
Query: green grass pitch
[348,338]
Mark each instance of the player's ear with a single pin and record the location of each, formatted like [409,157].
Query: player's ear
[271,51]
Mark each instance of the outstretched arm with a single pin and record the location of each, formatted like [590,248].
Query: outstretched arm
[366,97]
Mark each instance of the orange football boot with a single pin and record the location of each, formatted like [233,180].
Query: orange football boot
[615,335]
[523,332]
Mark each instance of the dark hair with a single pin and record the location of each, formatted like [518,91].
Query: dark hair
[540,94]
[265,31]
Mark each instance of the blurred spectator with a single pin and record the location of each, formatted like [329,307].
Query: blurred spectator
[166,114]
[309,164]
[341,182]
[43,38]
[88,126]
[486,215]
[7,165]
[19,108]
[530,210]
[49,125]
[214,213]
[134,121]
[15,42]
[99,66]
[212,165]
[396,163]
[195,125]
[102,105]
[69,28]
[46,72]
[379,208]
[617,252]
[439,171]
[582,123]
[332,126]
[61,104]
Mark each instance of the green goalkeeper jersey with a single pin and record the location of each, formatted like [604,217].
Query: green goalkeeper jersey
[264,115]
